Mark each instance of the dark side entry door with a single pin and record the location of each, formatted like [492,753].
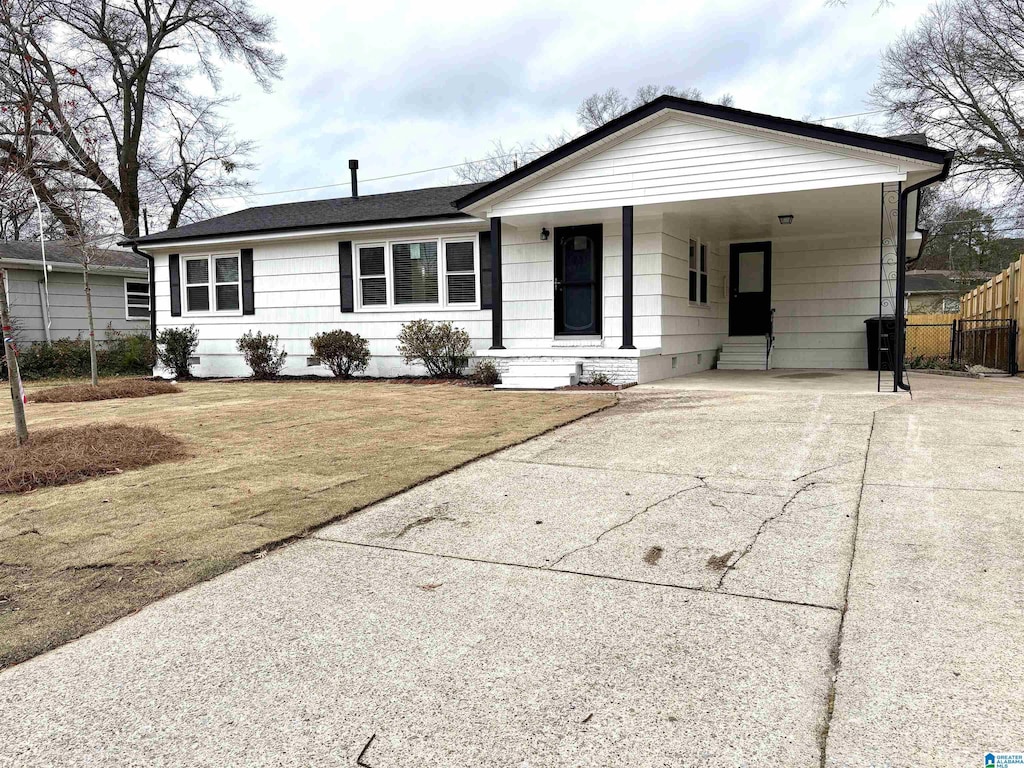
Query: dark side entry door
[750,289]
[578,280]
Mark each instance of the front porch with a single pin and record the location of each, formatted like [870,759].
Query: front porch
[643,293]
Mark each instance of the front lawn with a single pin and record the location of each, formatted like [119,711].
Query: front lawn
[269,461]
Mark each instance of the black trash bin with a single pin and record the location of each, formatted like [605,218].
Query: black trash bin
[888,323]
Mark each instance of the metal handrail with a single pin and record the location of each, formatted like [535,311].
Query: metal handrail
[769,338]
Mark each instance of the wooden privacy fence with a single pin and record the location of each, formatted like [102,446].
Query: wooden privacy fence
[1001,298]
[929,336]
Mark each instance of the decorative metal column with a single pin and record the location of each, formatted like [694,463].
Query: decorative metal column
[888,274]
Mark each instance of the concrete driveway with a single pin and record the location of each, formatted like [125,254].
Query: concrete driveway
[725,570]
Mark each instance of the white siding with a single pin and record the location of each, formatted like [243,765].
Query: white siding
[823,291]
[297,294]
[692,329]
[67,305]
[689,158]
[528,274]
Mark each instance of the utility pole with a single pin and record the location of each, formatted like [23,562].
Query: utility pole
[13,373]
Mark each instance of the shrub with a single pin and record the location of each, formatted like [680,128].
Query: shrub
[122,354]
[486,373]
[127,354]
[261,353]
[599,379]
[175,346]
[343,352]
[442,349]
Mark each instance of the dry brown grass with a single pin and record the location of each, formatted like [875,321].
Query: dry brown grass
[267,462]
[64,455]
[106,390]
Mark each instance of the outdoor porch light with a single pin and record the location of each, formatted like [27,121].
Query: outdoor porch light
[544,233]
[785,218]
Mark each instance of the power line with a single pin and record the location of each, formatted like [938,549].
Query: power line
[449,167]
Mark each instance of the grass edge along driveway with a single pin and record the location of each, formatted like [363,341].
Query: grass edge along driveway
[268,462]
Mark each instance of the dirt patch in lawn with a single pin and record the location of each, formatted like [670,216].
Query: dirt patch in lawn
[267,463]
[106,390]
[64,455]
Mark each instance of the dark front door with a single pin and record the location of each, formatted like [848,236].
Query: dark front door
[750,289]
[578,280]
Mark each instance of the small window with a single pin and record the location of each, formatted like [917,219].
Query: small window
[415,272]
[459,271]
[228,286]
[372,282]
[703,273]
[698,263]
[950,304]
[197,284]
[136,300]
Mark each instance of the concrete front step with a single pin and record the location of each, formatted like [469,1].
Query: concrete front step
[536,382]
[744,341]
[540,374]
[740,366]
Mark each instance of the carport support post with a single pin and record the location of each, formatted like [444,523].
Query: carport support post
[496,283]
[627,277]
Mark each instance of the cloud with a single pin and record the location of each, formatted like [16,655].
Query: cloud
[409,86]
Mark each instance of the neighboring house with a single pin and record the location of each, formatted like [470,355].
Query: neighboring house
[656,245]
[50,305]
[938,291]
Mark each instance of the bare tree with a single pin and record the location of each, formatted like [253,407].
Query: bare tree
[593,112]
[501,159]
[959,75]
[203,160]
[108,76]
[13,372]
[599,108]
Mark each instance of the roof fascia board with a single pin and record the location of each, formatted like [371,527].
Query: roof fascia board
[64,266]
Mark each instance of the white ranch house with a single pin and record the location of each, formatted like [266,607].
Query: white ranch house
[678,237]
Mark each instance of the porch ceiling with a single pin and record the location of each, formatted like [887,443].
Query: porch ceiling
[818,212]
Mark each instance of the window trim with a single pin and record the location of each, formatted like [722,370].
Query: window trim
[211,284]
[149,299]
[702,274]
[442,274]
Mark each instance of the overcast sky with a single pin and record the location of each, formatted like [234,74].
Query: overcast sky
[407,86]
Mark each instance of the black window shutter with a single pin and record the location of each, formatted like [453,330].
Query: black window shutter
[345,271]
[174,267]
[485,270]
[248,288]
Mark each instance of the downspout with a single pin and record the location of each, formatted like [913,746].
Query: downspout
[152,290]
[901,267]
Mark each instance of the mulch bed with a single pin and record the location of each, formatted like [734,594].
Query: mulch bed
[106,390]
[416,380]
[66,455]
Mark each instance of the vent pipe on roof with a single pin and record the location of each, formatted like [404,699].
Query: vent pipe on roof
[353,168]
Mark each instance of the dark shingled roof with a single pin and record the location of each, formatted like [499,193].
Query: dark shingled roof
[412,205]
[917,283]
[66,252]
[912,138]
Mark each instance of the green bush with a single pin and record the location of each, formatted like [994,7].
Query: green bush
[262,354]
[343,352]
[120,355]
[126,353]
[440,347]
[175,346]
[486,373]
